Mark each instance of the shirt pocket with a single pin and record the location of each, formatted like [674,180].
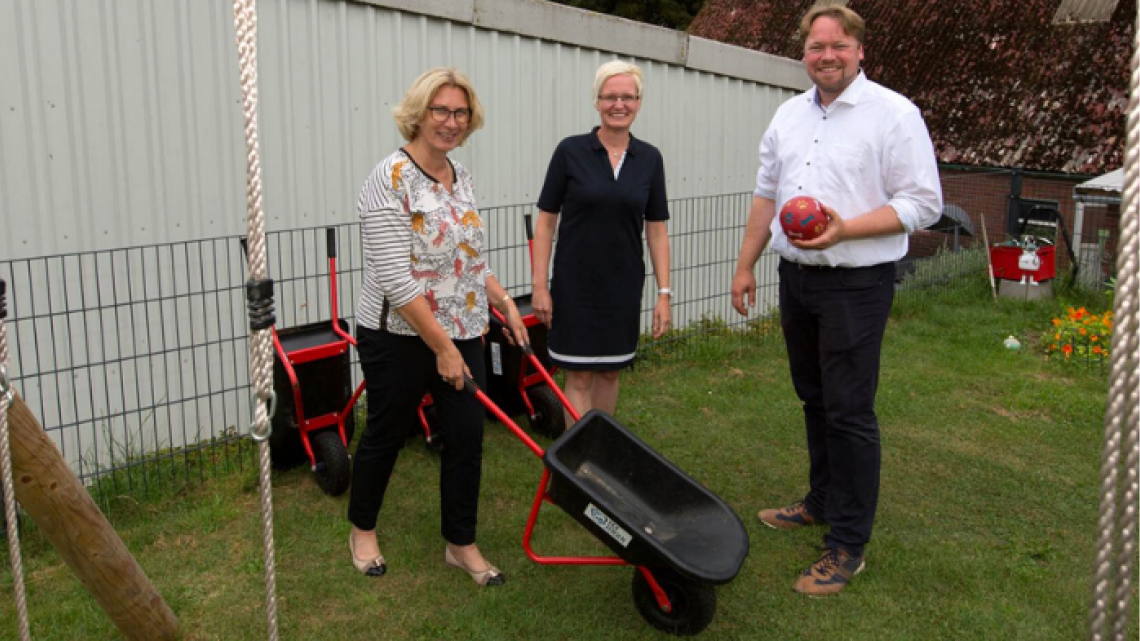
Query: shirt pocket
[850,168]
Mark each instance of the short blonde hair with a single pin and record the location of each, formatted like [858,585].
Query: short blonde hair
[849,21]
[616,68]
[411,110]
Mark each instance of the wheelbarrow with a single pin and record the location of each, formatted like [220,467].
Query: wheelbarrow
[312,379]
[683,539]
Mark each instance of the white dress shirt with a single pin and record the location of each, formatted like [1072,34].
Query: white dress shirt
[867,149]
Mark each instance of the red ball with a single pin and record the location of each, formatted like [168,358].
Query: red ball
[802,218]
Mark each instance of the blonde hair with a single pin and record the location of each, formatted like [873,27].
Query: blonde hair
[849,21]
[410,112]
[616,68]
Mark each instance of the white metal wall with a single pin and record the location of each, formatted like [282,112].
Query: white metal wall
[120,120]
[120,127]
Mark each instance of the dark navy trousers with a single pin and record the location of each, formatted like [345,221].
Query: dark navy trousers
[833,321]
[398,371]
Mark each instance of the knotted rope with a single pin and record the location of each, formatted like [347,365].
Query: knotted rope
[6,395]
[1116,541]
[260,342]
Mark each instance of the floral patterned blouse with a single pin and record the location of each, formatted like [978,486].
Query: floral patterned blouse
[420,240]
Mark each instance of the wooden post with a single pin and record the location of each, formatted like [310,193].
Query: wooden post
[69,518]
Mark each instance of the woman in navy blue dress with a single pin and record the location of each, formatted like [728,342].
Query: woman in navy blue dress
[603,191]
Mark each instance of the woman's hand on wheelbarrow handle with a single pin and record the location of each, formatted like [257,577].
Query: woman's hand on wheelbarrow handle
[470,385]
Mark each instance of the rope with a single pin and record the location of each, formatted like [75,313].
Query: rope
[1112,573]
[9,490]
[260,343]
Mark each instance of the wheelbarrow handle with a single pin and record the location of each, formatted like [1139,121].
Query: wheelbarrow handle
[529,228]
[330,241]
[537,364]
[473,388]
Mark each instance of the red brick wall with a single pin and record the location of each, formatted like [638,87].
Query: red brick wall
[985,195]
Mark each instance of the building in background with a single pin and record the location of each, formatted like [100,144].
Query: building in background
[1024,99]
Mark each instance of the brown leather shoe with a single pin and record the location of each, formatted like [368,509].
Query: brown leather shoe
[788,518]
[830,574]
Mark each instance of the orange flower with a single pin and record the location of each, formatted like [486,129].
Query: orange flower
[1056,322]
[1068,349]
[1084,331]
[1094,338]
[1097,349]
[1057,336]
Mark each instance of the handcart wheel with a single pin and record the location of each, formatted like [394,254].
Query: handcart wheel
[334,470]
[693,604]
[548,418]
[285,448]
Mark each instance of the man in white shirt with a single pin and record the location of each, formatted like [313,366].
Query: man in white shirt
[864,152]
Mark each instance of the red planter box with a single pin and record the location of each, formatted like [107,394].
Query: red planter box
[1004,259]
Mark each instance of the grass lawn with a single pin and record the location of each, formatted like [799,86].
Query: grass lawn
[985,530]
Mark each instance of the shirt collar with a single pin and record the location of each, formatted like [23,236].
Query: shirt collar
[850,95]
[596,144]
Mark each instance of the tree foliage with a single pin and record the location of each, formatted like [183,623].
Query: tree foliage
[674,14]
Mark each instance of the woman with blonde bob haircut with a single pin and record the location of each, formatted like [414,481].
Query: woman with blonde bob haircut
[421,318]
[411,110]
[604,192]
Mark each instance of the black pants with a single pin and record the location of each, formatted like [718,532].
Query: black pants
[833,321]
[398,371]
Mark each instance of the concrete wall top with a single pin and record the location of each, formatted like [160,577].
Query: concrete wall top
[570,25]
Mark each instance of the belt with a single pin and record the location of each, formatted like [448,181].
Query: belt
[824,268]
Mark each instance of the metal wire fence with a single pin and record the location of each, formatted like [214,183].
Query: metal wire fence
[135,360]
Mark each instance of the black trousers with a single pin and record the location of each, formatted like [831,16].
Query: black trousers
[833,321]
[398,371]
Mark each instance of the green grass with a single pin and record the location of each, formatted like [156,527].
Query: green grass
[985,529]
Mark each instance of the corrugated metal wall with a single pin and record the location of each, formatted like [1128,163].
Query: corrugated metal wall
[120,120]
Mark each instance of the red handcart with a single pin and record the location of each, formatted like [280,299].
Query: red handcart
[312,378]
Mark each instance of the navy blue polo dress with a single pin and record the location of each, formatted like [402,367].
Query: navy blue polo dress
[599,269]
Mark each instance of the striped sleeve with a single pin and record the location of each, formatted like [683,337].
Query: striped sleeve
[386,230]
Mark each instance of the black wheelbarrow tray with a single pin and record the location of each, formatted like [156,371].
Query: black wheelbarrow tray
[640,505]
[683,539]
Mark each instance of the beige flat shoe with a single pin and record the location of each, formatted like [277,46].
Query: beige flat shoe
[367,567]
[488,578]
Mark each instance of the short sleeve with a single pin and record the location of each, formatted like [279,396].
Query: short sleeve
[658,206]
[554,187]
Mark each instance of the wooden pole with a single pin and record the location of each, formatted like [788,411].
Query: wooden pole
[63,510]
[989,259]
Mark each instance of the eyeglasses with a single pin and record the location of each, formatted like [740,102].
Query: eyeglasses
[611,99]
[441,114]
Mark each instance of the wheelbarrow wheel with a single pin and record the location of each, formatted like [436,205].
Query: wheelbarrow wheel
[548,419]
[693,604]
[334,470]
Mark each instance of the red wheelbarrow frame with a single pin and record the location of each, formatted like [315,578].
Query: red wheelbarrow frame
[306,425]
[542,495]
